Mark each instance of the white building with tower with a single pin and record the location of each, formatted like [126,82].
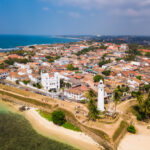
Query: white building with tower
[101,93]
[49,81]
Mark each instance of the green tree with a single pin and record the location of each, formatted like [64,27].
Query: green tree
[117,94]
[129,57]
[103,47]
[106,72]
[103,62]
[139,77]
[93,112]
[68,85]
[146,106]
[71,67]
[26,82]
[91,94]
[58,117]
[147,54]
[2,66]
[97,78]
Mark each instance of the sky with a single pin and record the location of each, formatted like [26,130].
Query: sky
[77,17]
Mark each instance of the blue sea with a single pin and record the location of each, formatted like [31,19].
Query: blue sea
[8,42]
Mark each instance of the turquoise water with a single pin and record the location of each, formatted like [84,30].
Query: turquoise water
[12,41]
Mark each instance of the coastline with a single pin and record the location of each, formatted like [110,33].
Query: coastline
[50,39]
[44,127]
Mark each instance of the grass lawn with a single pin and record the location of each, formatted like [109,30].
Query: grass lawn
[70,126]
[45,115]
[66,125]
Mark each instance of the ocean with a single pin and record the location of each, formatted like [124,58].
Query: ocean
[8,42]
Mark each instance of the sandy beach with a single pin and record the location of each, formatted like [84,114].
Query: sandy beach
[139,141]
[46,128]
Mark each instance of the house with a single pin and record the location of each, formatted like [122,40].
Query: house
[13,77]
[74,94]
[22,66]
[34,78]
[24,71]
[14,56]
[4,73]
[62,61]
[135,63]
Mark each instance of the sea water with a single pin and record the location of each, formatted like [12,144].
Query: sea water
[12,41]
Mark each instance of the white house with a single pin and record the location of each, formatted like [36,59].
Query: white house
[74,94]
[135,63]
[34,78]
[13,77]
[49,81]
[4,73]
[124,47]
[24,71]
[22,66]
[62,61]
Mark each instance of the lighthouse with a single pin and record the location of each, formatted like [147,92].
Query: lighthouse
[101,96]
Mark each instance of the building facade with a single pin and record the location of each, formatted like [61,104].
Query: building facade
[50,82]
[4,73]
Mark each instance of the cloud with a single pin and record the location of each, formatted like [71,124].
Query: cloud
[99,3]
[74,14]
[132,8]
[130,12]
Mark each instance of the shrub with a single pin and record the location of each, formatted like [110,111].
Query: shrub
[148,127]
[139,117]
[58,117]
[83,101]
[131,129]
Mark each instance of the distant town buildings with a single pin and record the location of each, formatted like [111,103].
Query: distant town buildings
[45,67]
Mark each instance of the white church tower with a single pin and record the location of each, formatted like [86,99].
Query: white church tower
[101,96]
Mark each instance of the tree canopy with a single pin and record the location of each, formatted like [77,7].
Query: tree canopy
[58,117]
[97,78]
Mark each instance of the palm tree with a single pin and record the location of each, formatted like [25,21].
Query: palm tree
[91,94]
[146,106]
[93,112]
[117,96]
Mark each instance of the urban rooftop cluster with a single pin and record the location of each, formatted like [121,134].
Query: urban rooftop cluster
[68,71]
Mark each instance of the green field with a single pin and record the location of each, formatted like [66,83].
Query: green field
[66,125]
[45,115]
[70,126]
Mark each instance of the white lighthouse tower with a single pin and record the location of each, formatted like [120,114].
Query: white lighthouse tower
[101,96]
